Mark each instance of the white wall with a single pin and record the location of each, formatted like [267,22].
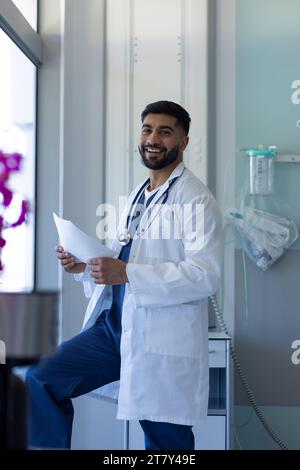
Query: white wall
[225,152]
[225,137]
[146,64]
[71,170]
[95,426]
[49,154]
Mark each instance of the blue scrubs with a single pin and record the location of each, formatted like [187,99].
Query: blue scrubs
[112,317]
[87,361]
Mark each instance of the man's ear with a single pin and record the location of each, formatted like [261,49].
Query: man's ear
[183,143]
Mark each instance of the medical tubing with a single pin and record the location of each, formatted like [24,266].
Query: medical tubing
[244,381]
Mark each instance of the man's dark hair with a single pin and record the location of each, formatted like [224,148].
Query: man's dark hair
[171,109]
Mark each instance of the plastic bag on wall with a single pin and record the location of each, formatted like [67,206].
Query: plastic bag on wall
[265,236]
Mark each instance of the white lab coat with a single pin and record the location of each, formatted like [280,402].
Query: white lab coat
[164,343]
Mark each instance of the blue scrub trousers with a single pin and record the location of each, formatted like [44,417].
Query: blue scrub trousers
[85,362]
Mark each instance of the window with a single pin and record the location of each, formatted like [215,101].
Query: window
[17,134]
[29,9]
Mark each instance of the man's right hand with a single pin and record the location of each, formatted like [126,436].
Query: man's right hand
[68,261]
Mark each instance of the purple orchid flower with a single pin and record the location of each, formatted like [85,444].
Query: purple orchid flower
[10,162]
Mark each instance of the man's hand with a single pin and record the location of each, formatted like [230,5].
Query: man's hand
[108,271]
[68,261]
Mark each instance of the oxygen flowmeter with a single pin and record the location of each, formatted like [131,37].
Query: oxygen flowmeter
[262,169]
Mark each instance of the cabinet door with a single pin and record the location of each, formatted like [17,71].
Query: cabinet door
[136,436]
[95,425]
[211,435]
[217,353]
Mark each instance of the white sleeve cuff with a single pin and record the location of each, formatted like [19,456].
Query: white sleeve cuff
[85,278]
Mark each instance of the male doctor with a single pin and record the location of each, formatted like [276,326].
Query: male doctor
[144,340]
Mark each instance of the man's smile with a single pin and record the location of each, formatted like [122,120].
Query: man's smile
[154,151]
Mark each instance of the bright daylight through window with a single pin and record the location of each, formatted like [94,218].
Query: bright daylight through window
[17,166]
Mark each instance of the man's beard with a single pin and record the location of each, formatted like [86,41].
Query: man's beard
[156,163]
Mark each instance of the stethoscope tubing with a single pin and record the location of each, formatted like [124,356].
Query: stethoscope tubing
[125,237]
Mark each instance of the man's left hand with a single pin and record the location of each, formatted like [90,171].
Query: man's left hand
[108,271]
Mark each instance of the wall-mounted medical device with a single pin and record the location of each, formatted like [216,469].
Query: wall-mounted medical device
[265,235]
[261,169]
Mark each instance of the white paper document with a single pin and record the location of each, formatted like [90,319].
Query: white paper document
[78,243]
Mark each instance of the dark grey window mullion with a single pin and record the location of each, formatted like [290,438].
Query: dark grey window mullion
[19,30]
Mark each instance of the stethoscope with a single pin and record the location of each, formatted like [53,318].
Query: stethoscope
[125,238]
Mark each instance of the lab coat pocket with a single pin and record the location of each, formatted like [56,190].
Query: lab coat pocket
[173,331]
[162,250]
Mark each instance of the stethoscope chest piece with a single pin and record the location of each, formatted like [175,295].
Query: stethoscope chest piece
[124,238]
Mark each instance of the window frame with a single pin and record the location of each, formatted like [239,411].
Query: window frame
[20,31]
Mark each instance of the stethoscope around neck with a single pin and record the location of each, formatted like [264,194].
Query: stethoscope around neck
[125,237]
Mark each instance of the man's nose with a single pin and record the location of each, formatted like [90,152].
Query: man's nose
[153,138]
